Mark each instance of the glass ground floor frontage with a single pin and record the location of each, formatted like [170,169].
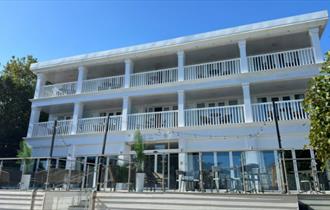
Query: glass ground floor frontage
[167,168]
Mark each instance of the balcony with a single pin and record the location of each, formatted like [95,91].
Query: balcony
[43,129]
[150,120]
[60,89]
[98,124]
[194,117]
[287,110]
[154,77]
[103,84]
[214,115]
[278,60]
[212,69]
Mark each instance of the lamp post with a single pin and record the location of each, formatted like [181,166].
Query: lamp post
[50,153]
[279,141]
[101,159]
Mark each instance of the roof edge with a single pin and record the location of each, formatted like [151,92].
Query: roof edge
[140,48]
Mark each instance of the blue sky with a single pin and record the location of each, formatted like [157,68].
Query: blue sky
[55,29]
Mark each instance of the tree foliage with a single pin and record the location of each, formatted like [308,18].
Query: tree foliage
[17,85]
[138,147]
[317,104]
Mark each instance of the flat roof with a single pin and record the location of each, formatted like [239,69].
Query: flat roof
[315,19]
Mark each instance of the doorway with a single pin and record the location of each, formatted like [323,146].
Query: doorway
[160,168]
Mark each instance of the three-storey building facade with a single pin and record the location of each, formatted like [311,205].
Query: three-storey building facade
[202,101]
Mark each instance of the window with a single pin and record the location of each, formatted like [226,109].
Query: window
[232,102]
[262,100]
[286,98]
[299,96]
[275,99]
[211,104]
[200,105]
[166,108]
[118,113]
[221,104]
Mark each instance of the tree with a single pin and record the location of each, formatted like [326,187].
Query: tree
[138,147]
[17,85]
[317,104]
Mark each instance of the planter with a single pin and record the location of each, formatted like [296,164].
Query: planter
[25,181]
[139,182]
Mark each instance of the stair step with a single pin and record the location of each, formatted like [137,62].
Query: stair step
[185,201]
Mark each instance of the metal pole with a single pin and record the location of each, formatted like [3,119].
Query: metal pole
[129,173]
[102,154]
[50,153]
[279,141]
[163,172]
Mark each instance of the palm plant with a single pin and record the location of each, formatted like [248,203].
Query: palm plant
[138,147]
[25,152]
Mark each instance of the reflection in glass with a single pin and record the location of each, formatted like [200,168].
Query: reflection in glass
[268,179]
[236,172]
[304,169]
[224,167]
[290,170]
[193,165]
[207,163]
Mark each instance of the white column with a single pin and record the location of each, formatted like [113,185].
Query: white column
[181,103]
[247,103]
[129,66]
[243,58]
[82,75]
[315,41]
[77,114]
[41,80]
[34,118]
[183,164]
[181,63]
[125,112]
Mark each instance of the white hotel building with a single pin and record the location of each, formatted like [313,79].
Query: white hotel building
[202,100]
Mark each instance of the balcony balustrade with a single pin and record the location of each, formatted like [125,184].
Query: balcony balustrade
[212,69]
[214,115]
[287,110]
[60,89]
[63,127]
[161,76]
[98,124]
[102,84]
[278,60]
[222,115]
[167,119]
[263,62]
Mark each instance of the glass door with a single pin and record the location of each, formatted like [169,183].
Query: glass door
[160,169]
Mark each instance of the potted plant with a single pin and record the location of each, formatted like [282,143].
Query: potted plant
[138,147]
[25,153]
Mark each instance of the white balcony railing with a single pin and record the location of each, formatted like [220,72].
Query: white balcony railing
[60,89]
[282,59]
[167,119]
[154,77]
[63,127]
[287,110]
[101,84]
[214,115]
[98,124]
[212,69]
